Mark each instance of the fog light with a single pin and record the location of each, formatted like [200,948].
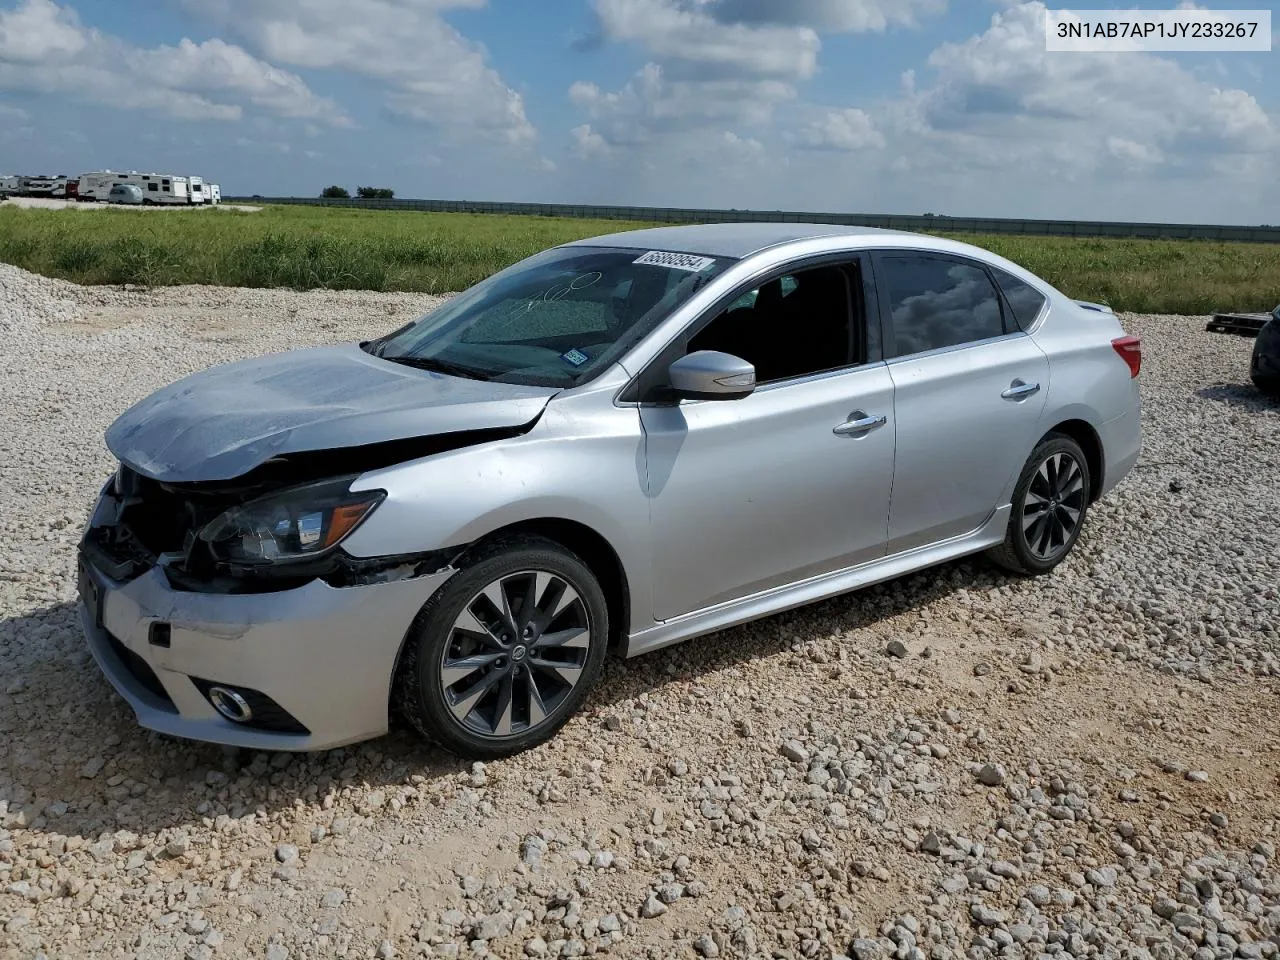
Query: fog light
[230,704]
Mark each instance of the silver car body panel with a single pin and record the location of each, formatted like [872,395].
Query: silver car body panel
[794,595]
[718,511]
[222,422]
[800,501]
[960,443]
[265,641]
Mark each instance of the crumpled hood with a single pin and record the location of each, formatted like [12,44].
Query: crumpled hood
[221,423]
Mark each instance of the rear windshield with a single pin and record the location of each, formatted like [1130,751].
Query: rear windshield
[558,318]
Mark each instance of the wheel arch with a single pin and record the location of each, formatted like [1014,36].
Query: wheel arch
[1083,433]
[595,551]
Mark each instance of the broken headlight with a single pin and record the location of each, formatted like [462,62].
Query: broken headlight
[289,525]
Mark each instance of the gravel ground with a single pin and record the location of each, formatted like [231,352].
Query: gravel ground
[1082,765]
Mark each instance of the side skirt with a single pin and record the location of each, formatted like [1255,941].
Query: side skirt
[827,585]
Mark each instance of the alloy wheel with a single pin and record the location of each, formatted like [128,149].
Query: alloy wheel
[1053,506]
[515,653]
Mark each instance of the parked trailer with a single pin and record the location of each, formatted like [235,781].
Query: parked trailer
[197,192]
[39,186]
[157,188]
[214,192]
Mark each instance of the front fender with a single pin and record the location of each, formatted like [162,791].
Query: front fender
[588,468]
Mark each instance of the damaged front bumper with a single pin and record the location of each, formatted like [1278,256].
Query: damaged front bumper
[313,663]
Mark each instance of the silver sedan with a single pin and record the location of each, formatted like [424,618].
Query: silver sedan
[612,446]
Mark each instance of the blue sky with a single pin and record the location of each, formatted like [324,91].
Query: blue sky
[884,106]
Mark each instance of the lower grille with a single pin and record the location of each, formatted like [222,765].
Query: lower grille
[139,669]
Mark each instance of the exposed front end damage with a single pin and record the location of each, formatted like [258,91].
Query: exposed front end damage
[140,523]
[218,651]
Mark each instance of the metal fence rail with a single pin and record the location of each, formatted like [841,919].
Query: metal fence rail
[1049,228]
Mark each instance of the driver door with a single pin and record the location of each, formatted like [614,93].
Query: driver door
[792,481]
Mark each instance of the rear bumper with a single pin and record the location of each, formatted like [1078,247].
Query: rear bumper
[324,655]
[1121,443]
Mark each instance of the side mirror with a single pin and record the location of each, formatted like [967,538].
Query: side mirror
[712,375]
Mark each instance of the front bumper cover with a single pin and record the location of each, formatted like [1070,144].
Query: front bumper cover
[325,655]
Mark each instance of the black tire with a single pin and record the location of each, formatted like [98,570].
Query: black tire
[1264,366]
[419,693]
[1034,551]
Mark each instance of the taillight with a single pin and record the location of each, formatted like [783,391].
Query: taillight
[1130,350]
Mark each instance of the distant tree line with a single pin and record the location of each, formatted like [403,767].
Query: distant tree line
[336,192]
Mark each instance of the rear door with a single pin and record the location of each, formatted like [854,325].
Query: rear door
[792,481]
[969,388]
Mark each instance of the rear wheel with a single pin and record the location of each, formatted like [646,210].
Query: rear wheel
[506,651]
[1049,506]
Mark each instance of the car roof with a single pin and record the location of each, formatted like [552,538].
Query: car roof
[736,240]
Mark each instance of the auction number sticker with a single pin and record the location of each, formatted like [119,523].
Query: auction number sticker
[676,261]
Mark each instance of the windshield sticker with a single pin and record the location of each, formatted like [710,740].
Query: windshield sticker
[676,261]
[575,356]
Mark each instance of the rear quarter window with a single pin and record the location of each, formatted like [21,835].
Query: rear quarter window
[1025,300]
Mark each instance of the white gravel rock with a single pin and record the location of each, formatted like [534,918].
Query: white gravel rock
[807,795]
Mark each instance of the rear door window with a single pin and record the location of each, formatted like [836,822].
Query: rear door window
[936,301]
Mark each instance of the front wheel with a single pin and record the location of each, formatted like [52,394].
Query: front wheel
[506,651]
[1049,506]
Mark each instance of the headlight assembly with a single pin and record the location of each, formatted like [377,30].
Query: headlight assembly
[290,525]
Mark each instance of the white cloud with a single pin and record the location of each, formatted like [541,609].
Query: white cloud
[12,113]
[652,107]
[1133,153]
[35,31]
[992,124]
[586,142]
[843,16]
[717,65]
[706,75]
[848,129]
[44,48]
[1000,100]
[689,41]
[429,73]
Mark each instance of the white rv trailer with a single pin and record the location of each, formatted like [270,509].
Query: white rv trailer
[197,191]
[214,191]
[157,188]
[41,186]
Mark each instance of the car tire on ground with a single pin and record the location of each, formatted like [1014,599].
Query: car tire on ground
[506,651]
[1050,503]
[1264,365]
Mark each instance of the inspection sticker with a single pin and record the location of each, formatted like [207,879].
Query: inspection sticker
[575,356]
[677,261]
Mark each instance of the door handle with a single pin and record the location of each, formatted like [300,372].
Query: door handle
[1020,389]
[858,423]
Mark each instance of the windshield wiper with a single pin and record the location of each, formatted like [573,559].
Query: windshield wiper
[437,365]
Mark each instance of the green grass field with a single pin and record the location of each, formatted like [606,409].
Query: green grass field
[309,247]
